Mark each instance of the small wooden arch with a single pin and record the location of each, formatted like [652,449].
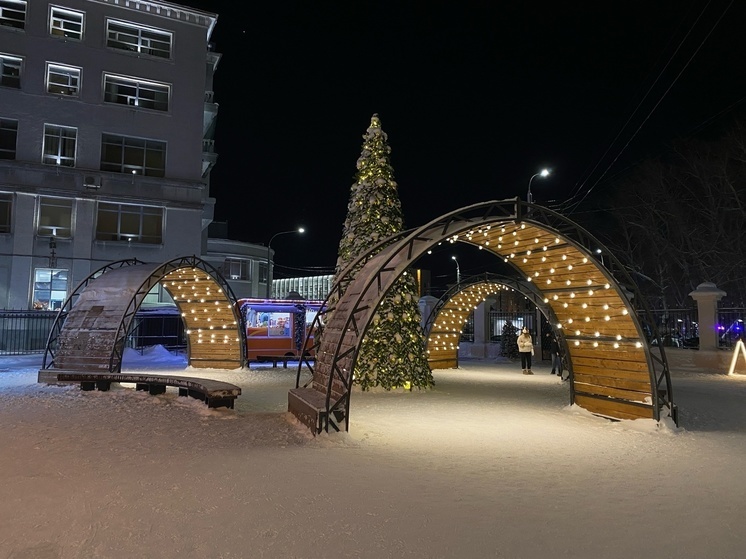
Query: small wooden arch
[603,320]
[446,321]
[91,328]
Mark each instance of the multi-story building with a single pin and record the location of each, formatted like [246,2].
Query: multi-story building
[106,140]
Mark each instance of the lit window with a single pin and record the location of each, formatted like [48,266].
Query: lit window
[6,207]
[13,13]
[130,223]
[66,23]
[10,71]
[137,38]
[55,217]
[59,145]
[8,137]
[124,154]
[64,80]
[137,93]
[50,289]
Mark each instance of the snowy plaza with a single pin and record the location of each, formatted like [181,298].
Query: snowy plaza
[489,463]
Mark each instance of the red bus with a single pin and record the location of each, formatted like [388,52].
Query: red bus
[277,327]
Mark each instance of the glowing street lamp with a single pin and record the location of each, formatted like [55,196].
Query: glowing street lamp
[543,173]
[458,271]
[269,244]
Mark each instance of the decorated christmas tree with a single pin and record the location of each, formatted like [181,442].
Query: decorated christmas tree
[392,353]
[509,340]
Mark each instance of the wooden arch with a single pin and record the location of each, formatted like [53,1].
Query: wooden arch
[91,328]
[603,320]
[446,321]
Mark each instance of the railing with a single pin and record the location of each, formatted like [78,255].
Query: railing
[24,332]
[497,321]
[157,329]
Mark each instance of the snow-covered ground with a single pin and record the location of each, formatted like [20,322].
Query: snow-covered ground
[491,463]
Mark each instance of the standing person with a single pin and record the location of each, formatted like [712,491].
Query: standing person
[554,348]
[526,349]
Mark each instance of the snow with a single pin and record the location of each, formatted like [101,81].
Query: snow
[490,463]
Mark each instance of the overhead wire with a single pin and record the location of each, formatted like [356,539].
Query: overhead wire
[570,205]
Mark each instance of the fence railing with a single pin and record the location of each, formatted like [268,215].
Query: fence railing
[26,332]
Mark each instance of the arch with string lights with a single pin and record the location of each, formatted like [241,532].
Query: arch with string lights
[91,329]
[445,324]
[602,319]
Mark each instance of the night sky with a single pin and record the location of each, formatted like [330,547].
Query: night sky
[475,97]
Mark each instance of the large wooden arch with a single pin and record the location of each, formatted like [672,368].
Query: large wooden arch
[91,328]
[604,321]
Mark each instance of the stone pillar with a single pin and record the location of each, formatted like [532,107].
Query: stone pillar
[707,296]
[426,304]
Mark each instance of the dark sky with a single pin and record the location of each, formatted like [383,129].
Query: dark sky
[474,96]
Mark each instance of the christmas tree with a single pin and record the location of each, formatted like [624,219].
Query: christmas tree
[509,340]
[392,352]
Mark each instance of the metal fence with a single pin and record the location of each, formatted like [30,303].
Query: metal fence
[26,332]
[23,332]
[497,321]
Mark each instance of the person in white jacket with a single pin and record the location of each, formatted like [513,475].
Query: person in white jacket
[526,349]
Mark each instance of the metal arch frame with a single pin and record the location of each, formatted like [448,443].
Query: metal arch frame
[611,267]
[526,289]
[115,360]
[69,302]
[455,223]
[317,326]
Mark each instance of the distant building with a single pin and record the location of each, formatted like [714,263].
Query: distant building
[244,265]
[314,288]
[107,122]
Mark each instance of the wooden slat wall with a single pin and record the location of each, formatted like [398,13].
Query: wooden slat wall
[210,319]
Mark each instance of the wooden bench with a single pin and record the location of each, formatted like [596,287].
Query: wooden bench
[214,393]
[309,406]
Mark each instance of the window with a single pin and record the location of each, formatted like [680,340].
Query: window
[136,38]
[10,71]
[55,217]
[137,93]
[123,154]
[66,23]
[50,288]
[59,145]
[8,137]
[6,205]
[263,272]
[125,222]
[13,13]
[64,80]
[237,269]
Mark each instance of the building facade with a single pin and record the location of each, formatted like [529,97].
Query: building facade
[107,122]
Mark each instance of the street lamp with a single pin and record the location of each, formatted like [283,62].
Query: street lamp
[458,271]
[269,244]
[543,173]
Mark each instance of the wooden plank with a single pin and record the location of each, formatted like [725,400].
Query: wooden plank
[587,365]
[613,408]
[614,388]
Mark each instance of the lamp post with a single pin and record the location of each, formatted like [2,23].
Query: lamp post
[269,244]
[458,271]
[543,173]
